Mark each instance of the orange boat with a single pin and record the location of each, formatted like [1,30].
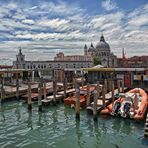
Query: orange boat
[83,96]
[136,104]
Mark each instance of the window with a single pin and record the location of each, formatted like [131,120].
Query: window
[50,66]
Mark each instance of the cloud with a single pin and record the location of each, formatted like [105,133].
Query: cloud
[48,27]
[28,21]
[138,18]
[139,21]
[59,24]
[109,5]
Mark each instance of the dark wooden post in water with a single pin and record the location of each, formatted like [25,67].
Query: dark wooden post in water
[17,86]
[32,75]
[110,85]
[104,92]
[54,86]
[77,106]
[44,88]
[113,90]
[88,95]
[74,82]
[54,90]
[123,86]
[98,88]
[2,90]
[82,80]
[118,84]
[64,86]
[29,101]
[40,96]
[95,105]
[146,127]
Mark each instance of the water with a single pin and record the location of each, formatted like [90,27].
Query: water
[56,127]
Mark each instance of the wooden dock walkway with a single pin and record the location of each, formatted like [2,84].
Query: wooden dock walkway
[59,96]
[10,91]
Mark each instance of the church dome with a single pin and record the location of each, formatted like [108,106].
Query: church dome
[102,45]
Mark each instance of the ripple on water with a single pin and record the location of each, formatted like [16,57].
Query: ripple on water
[57,127]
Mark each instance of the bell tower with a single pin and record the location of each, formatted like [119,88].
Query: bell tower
[20,59]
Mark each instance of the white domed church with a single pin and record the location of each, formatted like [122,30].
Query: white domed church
[102,53]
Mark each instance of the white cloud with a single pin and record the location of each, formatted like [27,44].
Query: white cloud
[60,24]
[28,21]
[109,5]
[49,26]
[139,21]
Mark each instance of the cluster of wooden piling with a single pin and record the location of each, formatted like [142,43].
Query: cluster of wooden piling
[104,95]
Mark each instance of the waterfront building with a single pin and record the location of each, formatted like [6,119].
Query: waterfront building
[59,62]
[133,62]
[102,53]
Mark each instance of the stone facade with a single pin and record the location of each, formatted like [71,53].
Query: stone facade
[59,62]
[102,52]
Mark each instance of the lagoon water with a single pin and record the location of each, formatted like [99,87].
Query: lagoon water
[56,127]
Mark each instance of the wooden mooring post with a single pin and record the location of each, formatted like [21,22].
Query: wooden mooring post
[104,92]
[54,91]
[29,101]
[98,88]
[44,90]
[110,85]
[118,85]
[88,95]
[123,86]
[95,115]
[2,90]
[146,127]
[77,105]
[40,96]
[113,90]
[65,86]
[17,86]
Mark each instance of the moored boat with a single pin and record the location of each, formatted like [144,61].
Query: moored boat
[132,104]
[71,100]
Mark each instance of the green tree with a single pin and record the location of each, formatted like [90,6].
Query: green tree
[96,61]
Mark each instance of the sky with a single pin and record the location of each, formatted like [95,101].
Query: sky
[42,28]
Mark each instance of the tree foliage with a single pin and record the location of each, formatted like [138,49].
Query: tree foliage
[96,61]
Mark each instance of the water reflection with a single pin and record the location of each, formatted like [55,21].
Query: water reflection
[79,135]
[122,125]
[65,113]
[2,113]
[116,124]
[17,112]
[97,133]
[126,127]
[55,116]
[89,124]
[145,141]
[39,123]
[29,121]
